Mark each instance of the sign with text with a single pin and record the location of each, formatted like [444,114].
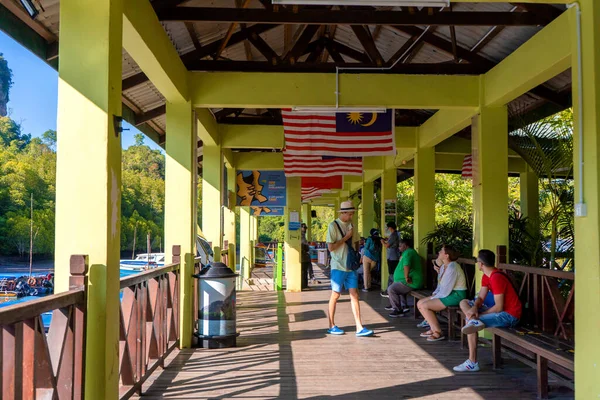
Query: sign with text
[259,211]
[260,188]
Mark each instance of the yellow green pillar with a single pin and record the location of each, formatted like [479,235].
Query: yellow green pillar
[388,192]
[356,231]
[530,196]
[245,245]
[307,219]
[212,180]
[587,191]
[490,179]
[180,206]
[229,217]
[367,209]
[88,175]
[424,198]
[293,237]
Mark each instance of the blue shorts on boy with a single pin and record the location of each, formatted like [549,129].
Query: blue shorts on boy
[343,279]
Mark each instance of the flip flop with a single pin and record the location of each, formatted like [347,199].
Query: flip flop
[433,337]
[426,334]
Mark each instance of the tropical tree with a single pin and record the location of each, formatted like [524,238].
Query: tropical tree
[547,147]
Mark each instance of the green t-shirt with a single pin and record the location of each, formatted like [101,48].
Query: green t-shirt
[411,259]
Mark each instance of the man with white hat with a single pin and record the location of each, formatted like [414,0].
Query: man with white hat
[338,233]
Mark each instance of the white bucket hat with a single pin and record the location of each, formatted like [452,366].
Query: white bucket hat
[347,206]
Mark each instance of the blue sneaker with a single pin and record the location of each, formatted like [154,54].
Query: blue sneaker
[335,331]
[364,332]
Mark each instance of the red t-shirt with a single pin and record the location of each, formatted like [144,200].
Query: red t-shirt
[498,283]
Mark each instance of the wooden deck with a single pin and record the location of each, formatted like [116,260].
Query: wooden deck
[283,352]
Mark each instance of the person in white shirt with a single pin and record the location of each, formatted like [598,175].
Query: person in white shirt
[451,290]
[339,233]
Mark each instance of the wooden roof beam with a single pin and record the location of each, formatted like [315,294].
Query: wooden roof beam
[351,17]
[150,115]
[301,44]
[368,43]
[400,68]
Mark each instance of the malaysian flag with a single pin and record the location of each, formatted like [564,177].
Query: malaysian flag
[467,167]
[320,166]
[341,135]
[313,193]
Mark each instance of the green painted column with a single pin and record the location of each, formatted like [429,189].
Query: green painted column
[490,179]
[587,190]
[424,198]
[212,180]
[367,209]
[180,206]
[530,196]
[88,175]
[229,217]
[389,179]
[293,238]
[245,246]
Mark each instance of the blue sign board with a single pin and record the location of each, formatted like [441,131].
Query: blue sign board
[294,226]
[260,188]
[260,211]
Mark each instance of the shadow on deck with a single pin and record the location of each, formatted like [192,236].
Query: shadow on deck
[283,352]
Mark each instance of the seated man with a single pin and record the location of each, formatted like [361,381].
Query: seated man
[505,313]
[408,276]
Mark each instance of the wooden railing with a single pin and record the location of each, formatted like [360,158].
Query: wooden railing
[547,295]
[36,364]
[149,323]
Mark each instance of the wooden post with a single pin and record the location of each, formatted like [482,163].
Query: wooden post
[79,266]
[176,258]
[542,377]
[497,351]
[279,283]
[501,256]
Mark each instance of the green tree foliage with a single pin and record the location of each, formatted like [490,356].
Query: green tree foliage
[143,196]
[27,167]
[5,84]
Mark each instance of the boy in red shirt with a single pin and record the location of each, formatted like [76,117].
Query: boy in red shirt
[505,313]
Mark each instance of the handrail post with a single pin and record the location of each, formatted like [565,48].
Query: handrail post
[501,255]
[79,266]
[176,259]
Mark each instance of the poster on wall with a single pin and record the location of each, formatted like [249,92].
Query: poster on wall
[390,208]
[259,211]
[260,188]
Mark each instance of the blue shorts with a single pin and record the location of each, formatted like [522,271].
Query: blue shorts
[343,279]
[495,320]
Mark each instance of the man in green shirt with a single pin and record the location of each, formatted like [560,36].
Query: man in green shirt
[408,276]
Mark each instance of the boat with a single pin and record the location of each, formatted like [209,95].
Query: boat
[143,262]
[12,287]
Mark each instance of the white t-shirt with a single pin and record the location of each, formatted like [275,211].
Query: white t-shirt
[339,255]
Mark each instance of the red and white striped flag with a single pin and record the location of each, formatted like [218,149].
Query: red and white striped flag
[320,166]
[467,167]
[312,193]
[353,134]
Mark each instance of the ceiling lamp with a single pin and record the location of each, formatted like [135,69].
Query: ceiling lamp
[30,8]
[382,3]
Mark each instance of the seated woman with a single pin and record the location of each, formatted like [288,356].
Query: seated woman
[451,289]
[371,256]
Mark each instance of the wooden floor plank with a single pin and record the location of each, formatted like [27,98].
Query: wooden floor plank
[284,352]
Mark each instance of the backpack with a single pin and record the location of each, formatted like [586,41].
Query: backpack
[353,259]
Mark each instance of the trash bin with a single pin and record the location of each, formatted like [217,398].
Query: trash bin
[216,308]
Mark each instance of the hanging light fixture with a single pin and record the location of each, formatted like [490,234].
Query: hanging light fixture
[373,3]
[30,8]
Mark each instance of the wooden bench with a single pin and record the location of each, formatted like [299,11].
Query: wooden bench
[449,313]
[543,351]
[527,341]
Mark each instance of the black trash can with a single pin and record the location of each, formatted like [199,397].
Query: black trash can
[216,325]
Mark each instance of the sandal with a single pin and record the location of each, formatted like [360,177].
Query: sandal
[426,334]
[436,337]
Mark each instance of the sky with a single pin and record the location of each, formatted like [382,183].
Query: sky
[34,94]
